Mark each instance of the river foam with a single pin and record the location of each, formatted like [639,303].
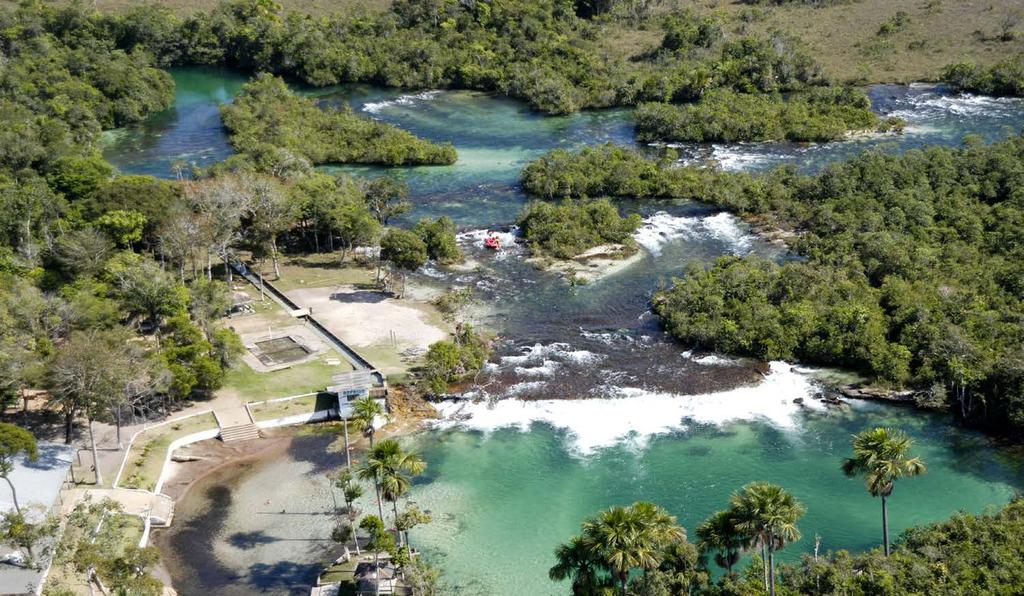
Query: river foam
[661,228]
[634,415]
[374,107]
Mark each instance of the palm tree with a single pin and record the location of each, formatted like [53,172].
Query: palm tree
[719,533]
[576,561]
[767,513]
[391,469]
[397,478]
[351,491]
[627,537]
[365,411]
[881,455]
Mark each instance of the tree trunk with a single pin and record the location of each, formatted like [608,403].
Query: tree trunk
[273,257]
[95,455]
[118,422]
[348,453]
[623,581]
[352,524]
[771,570]
[398,533]
[69,426]
[764,566]
[380,501]
[885,524]
[14,495]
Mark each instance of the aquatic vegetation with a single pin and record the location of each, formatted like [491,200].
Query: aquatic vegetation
[268,117]
[825,114]
[451,361]
[569,229]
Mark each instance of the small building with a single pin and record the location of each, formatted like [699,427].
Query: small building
[367,576]
[354,385]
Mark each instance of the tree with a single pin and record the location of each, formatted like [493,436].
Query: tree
[219,204]
[271,212]
[123,227]
[15,441]
[387,198]
[391,468]
[719,533]
[881,456]
[624,538]
[403,249]
[439,236]
[353,224]
[410,518]
[396,472]
[767,513]
[146,290]
[351,491]
[18,530]
[380,541]
[576,561]
[365,412]
[89,372]
[83,252]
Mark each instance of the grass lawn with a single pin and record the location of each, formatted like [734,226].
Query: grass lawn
[318,270]
[301,405]
[148,452]
[307,377]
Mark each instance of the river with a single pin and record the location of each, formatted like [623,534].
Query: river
[660,423]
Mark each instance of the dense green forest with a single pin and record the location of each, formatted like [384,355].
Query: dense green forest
[821,114]
[910,267]
[267,118]
[564,231]
[542,52]
[1004,78]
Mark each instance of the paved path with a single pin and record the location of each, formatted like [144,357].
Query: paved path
[229,416]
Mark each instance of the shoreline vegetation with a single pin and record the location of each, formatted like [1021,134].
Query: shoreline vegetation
[271,125]
[910,270]
[722,116]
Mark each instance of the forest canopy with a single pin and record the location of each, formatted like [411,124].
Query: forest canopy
[911,267]
[267,117]
[541,52]
[821,114]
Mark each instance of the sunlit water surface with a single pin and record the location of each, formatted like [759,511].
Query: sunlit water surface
[512,476]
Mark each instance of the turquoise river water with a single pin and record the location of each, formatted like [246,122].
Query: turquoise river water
[587,403]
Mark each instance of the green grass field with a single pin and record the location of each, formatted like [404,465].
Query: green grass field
[308,377]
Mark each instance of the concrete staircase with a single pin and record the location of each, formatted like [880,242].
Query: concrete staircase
[240,432]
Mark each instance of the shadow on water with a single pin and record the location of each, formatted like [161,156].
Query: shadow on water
[192,542]
[316,449]
[283,577]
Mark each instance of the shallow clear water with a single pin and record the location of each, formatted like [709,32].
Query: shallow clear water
[675,427]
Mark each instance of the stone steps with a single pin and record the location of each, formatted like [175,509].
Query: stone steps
[241,432]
